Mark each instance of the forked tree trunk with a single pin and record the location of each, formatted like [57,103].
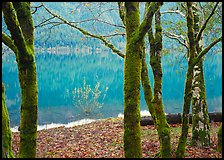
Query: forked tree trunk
[18,19]
[6,131]
[135,33]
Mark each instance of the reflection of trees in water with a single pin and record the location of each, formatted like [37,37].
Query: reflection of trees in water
[60,73]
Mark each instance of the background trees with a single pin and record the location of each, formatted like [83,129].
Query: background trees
[18,18]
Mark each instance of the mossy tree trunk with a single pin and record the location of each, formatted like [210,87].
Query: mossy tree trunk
[147,88]
[195,58]
[188,84]
[219,147]
[163,127]
[135,33]
[18,19]
[6,131]
[200,118]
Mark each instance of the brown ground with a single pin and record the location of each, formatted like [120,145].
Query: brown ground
[104,139]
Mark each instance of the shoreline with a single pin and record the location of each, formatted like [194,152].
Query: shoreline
[77,123]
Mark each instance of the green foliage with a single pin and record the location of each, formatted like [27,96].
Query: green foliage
[88,99]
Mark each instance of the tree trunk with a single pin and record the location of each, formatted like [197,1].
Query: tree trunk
[18,19]
[200,119]
[163,127]
[132,78]
[147,88]
[219,147]
[28,110]
[6,131]
[188,84]
[185,116]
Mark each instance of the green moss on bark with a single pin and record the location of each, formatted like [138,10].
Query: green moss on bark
[163,127]
[200,118]
[132,79]
[18,19]
[219,147]
[6,131]
[28,110]
[188,84]
[185,116]
[147,88]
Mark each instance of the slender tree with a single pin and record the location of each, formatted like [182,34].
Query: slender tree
[155,62]
[193,59]
[200,118]
[18,18]
[6,131]
[219,147]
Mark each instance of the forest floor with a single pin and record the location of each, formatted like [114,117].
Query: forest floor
[104,138]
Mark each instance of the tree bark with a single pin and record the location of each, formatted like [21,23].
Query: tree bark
[132,77]
[132,74]
[219,147]
[6,131]
[188,84]
[200,120]
[18,19]
[163,127]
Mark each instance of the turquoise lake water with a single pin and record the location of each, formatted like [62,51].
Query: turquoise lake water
[58,74]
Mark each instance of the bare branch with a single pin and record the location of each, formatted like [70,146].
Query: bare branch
[182,5]
[108,44]
[177,37]
[44,22]
[96,19]
[116,34]
[36,7]
[204,25]
[176,11]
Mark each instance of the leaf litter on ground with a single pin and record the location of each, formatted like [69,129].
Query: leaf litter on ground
[104,139]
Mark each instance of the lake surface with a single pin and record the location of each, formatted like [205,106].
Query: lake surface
[60,72]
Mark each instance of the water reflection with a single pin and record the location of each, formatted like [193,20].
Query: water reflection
[59,74]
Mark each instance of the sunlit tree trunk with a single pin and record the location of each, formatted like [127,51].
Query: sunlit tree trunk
[135,33]
[200,118]
[132,77]
[18,19]
[6,131]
